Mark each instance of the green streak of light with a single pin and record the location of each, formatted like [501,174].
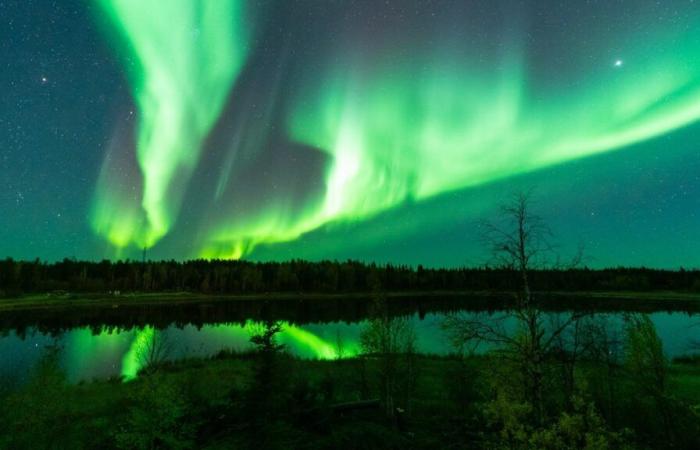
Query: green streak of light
[413,127]
[132,360]
[182,57]
[301,342]
[396,136]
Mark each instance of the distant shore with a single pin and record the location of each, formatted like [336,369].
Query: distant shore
[661,300]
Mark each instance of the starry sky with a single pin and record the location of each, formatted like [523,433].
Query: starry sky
[374,130]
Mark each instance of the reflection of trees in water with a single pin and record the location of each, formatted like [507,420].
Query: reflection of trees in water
[239,311]
[390,344]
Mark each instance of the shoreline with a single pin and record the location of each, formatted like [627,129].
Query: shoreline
[47,302]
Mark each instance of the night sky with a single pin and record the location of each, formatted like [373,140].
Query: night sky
[372,130]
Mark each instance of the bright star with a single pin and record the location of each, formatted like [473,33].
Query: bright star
[618,63]
[44,80]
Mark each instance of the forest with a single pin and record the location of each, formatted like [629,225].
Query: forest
[298,276]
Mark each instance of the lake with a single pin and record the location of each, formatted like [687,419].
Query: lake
[100,351]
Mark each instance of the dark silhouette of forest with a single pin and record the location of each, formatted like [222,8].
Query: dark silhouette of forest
[299,276]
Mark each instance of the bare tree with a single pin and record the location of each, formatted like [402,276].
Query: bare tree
[519,242]
[156,351]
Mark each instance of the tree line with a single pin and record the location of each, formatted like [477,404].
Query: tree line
[299,276]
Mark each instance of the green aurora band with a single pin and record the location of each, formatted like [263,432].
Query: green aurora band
[395,129]
[182,57]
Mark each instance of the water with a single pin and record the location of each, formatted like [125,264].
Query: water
[115,351]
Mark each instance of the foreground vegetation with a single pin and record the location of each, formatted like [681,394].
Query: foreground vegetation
[268,400]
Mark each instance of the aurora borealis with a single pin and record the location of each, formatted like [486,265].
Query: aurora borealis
[349,129]
[182,72]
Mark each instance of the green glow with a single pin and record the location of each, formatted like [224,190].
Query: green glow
[182,56]
[86,352]
[396,126]
[301,342]
[395,135]
[411,129]
[115,214]
[305,342]
[238,236]
[132,360]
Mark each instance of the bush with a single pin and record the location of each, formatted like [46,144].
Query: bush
[580,428]
[34,417]
[157,417]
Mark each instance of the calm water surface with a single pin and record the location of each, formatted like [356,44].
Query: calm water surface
[88,355]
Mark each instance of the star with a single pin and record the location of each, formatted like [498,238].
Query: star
[44,80]
[618,63]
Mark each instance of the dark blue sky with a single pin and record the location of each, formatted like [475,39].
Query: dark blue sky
[320,148]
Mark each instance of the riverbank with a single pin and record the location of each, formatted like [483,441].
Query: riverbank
[56,313]
[63,301]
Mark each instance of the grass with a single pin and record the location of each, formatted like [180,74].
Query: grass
[444,387]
